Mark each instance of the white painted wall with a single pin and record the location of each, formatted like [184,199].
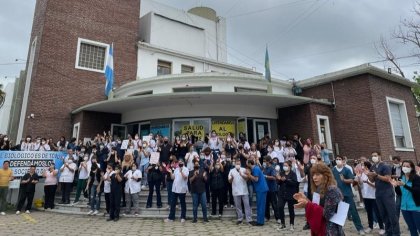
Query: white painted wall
[202,110]
[7,106]
[180,32]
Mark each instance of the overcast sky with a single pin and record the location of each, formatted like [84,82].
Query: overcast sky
[305,37]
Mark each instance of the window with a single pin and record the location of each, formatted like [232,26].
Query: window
[187,69]
[249,90]
[164,68]
[91,55]
[192,89]
[324,132]
[399,124]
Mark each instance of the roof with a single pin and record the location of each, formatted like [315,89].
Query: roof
[354,71]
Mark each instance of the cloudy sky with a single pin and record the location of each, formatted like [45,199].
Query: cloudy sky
[305,37]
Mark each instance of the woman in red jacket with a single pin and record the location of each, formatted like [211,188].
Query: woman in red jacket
[318,215]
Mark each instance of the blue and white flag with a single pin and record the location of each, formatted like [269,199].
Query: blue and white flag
[109,71]
[267,66]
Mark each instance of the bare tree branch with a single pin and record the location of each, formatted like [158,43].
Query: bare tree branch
[385,51]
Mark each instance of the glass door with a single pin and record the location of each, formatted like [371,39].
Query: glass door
[242,128]
[261,127]
[144,129]
[118,131]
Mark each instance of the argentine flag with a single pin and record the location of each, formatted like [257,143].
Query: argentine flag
[267,66]
[109,71]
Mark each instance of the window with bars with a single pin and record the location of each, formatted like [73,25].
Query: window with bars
[164,67]
[92,56]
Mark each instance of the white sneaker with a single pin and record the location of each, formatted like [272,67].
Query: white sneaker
[362,232]
[143,187]
[368,230]
[376,226]
[381,232]
[182,220]
[27,212]
[361,205]
[2,213]
[95,212]
[90,212]
[231,206]
[168,221]
[292,228]
[18,212]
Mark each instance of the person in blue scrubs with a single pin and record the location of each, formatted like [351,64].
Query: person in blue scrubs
[260,187]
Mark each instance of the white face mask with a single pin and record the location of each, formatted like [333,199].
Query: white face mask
[5,139]
[406,170]
[276,143]
[278,168]
[238,167]
[375,159]
[313,161]
[228,139]
[339,162]
[286,168]
[85,158]
[43,143]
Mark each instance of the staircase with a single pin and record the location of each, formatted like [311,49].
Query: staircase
[82,208]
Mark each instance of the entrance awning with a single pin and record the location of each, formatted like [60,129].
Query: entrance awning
[196,103]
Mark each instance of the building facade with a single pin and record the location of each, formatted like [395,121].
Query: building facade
[172,77]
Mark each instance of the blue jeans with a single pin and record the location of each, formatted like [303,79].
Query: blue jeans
[143,169]
[261,198]
[353,212]
[183,206]
[170,194]
[199,198]
[412,218]
[95,198]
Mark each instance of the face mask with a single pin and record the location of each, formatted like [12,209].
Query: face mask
[202,157]
[228,159]
[278,168]
[38,141]
[339,162]
[276,143]
[264,165]
[181,165]
[217,167]
[313,161]
[177,138]
[83,150]
[134,168]
[406,170]
[286,168]
[156,167]
[101,147]
[196,167]
[375,159]
[183,139]
[238,167]
[43,143]
[70,161]
[28,140]
[228,139]
[5,139]
[223,157]
[85,158]
[136,138]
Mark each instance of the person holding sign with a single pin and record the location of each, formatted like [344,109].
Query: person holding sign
[318,214]
[6,175]
[27,190]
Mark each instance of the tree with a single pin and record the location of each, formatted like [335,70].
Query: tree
[408,34]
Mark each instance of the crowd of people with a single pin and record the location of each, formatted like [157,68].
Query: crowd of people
[221,172]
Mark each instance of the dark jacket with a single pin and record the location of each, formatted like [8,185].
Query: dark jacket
[216,180]
[414,189]
[288,187]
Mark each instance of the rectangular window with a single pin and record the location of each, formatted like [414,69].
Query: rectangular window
[324,131]
[91,55]
[187,69]
[399,124]
[164,68]
[192,89]
[249,90]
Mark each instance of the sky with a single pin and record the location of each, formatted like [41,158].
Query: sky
[305,38]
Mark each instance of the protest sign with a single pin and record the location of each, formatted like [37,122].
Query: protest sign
[20,161]
[154,157]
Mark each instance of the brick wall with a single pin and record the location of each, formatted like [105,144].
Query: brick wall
[57,88]
[380,90]
[92,123]
[296,119]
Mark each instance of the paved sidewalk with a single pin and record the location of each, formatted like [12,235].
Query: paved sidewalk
[48,223]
